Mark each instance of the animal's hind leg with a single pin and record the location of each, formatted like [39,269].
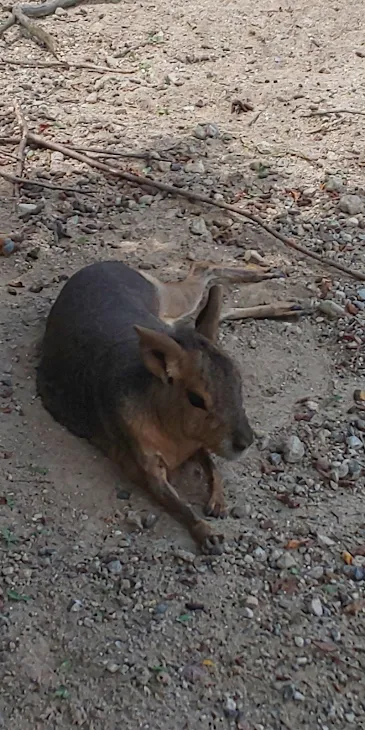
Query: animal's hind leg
[179,300]
[266,311]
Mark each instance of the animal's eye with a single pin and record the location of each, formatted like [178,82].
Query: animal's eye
[196,400]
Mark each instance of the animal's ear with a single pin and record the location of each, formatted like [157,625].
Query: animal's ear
[207,322]
[161,354]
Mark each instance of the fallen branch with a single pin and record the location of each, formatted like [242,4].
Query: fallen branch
[39,33]
[189,195]
[19,14]
[64,65]
[334,111]
[42,184]
[22,123]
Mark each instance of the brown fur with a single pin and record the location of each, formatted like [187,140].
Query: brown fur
[150,395]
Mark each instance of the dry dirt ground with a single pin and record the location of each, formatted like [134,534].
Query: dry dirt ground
[108,618]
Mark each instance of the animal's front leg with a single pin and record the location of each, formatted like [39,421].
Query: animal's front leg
[167,496]
[215,506]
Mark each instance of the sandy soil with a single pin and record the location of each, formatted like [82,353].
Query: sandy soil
[166,639]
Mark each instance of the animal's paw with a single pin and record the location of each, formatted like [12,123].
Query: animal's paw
[210,542]
[216,508]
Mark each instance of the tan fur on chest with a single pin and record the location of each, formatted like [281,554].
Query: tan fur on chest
[174,452]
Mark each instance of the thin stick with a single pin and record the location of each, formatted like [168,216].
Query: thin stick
[22,123]
[65,65]
[99,151]
[255,118]
[333,111]
[41,184]
[115,153]
[189,195]
[8,154]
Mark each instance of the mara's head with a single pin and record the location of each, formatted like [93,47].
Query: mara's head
[198,387]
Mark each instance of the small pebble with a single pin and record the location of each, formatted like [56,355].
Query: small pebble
[247,612]
[115,567]
[194,166]
[91,98]
[353,442]
[298,696]
[293,450]
[230,707]
[316,607]
[299,641]
[275,458]
[160,609]
[286,561]
[334,184]
[112,667]
[260,555]
[146,199]
[75,606]
[324,540]
[351,204]
[331,309]
[198,226]
[28,208]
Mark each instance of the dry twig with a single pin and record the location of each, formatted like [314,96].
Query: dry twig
[333,111]
[189,195]
[42,184]
[22,145]
[34,31]
[65,65]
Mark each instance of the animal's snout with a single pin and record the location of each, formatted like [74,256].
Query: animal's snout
[242,437]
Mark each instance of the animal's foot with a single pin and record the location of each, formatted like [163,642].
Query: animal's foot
[216,508]
[210,542]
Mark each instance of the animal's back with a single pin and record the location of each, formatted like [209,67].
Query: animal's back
[90,348]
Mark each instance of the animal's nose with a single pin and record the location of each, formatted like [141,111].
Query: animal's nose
[242,438]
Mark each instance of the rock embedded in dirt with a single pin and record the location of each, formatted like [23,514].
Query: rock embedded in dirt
[351,204]
[353,442]
[293,450]
[195,166]
[334,184]
[286,561]
[207,130]
[198,226]
[331,309]
[75,606]
[316,607]
[115,567]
